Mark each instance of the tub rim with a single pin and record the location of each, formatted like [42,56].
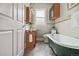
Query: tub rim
[61,44]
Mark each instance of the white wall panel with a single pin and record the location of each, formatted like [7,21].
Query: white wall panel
[6,8]
[20,41]
[20,12]
[15,11]
[6,43]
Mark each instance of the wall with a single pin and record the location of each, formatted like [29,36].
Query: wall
[66,27]
[46,26]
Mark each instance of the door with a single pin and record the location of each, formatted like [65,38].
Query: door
[11,29]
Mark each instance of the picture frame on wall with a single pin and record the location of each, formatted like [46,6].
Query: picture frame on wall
[71,5]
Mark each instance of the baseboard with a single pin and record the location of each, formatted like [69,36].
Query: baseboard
[21,53]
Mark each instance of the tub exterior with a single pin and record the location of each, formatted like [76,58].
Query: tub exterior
[61,50]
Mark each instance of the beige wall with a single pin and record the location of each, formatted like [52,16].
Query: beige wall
[66,27]
[44,27]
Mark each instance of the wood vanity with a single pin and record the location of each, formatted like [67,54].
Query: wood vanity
[30,45]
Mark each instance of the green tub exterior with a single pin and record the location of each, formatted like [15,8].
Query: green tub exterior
[61,50]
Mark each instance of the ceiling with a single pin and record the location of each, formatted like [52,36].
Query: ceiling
[41,5]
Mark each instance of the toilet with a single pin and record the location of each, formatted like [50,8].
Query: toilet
[53,31]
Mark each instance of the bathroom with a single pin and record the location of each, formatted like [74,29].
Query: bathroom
[63,23]
[39,29]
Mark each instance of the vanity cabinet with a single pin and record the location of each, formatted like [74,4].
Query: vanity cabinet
[55,11]
[30,39]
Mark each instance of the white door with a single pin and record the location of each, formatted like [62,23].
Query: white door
[11,29]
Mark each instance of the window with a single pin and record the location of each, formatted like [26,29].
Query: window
[40,16]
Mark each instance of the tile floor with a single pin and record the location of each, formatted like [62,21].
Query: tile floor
[41,49]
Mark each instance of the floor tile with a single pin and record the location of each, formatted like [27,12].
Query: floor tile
[41,49]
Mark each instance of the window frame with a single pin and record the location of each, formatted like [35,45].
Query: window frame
[40,17]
